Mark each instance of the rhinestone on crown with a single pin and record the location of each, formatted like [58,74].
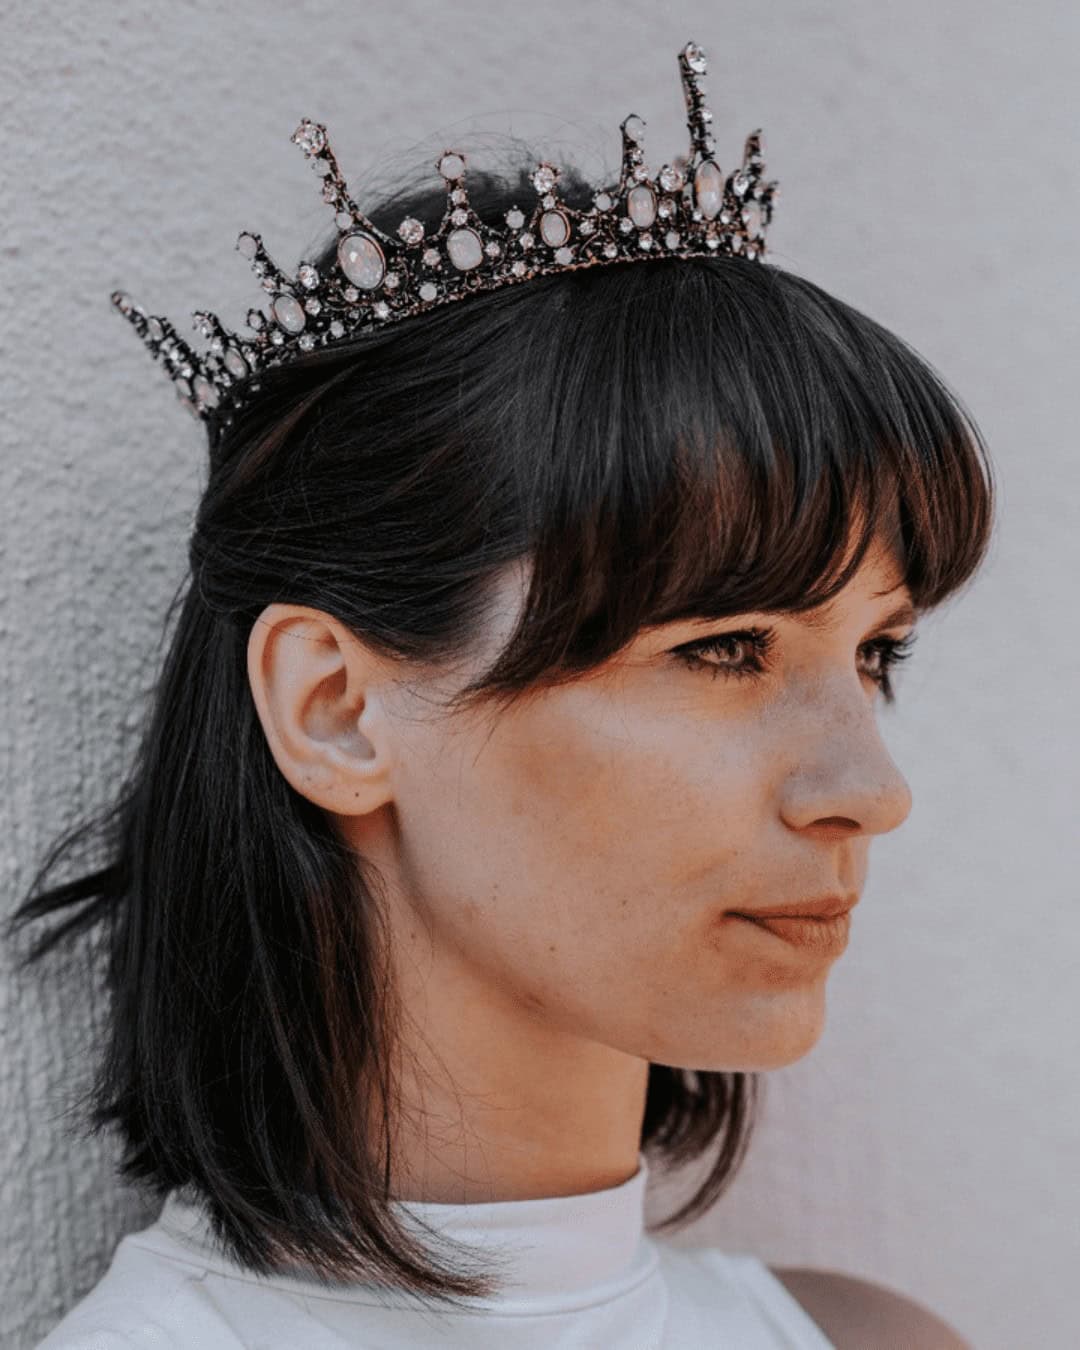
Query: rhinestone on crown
[690,209]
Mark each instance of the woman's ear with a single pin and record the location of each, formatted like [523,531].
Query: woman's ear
[317,692]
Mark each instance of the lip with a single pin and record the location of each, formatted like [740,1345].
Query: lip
[826,936]
[821,907]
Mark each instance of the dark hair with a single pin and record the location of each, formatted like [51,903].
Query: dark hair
[677,439]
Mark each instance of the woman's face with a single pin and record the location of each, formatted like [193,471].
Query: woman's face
[561,876]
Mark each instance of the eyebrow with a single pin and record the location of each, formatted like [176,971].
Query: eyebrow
[819,619]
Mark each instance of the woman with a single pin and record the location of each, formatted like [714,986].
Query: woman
[533,650]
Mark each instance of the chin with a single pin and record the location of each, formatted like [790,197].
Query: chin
[773,1043]
[783,1056]
[790,1049]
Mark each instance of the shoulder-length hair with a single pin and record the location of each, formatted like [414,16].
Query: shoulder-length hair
[683,438]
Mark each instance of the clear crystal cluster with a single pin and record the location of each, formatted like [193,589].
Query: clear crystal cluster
[689,209]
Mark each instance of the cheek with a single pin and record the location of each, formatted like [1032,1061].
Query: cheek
[576,863]
[600,818]
[585,833]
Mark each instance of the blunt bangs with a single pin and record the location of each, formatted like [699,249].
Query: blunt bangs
[718,437]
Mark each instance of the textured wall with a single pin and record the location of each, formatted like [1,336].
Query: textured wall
[928,159]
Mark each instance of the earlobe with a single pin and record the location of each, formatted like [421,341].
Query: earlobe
[313,685]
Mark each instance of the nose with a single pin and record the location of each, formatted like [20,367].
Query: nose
[842,773]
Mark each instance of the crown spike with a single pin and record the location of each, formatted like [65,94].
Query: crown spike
[312,138]
[698,117]
[633,156]
[688,211]
[272,277]
[192,380]
[465,242]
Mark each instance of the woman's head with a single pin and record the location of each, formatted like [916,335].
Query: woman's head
[566,868]
[427,806]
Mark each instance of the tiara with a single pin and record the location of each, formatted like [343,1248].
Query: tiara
[688,210]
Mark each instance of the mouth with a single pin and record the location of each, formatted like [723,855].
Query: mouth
[826,936]
[822,907]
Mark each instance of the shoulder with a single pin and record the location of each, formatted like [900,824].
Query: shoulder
[858,1314]
[144,1299]
[107,1339]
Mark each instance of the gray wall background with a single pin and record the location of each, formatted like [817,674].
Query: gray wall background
[928,159]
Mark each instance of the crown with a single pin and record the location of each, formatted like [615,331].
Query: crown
[688,210]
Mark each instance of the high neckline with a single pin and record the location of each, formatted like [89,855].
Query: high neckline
[543,1251]
[552,1244]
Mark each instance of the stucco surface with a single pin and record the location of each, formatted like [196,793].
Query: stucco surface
[927,155]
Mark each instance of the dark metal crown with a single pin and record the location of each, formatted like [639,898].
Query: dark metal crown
[688,210]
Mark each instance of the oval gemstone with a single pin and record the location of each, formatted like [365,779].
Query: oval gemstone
[641,206]
[205,393]
[362,261]
[465,249]
[452,166]
[554,228]
[708,189]
[754,218]
[288,313]
[634,129]
[235,363]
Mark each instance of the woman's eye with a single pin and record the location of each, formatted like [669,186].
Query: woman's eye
[744,653]
[741,653]
[889,652]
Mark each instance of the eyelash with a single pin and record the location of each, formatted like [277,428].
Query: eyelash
[890,651]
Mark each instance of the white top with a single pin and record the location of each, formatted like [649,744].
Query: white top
[585,1274]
